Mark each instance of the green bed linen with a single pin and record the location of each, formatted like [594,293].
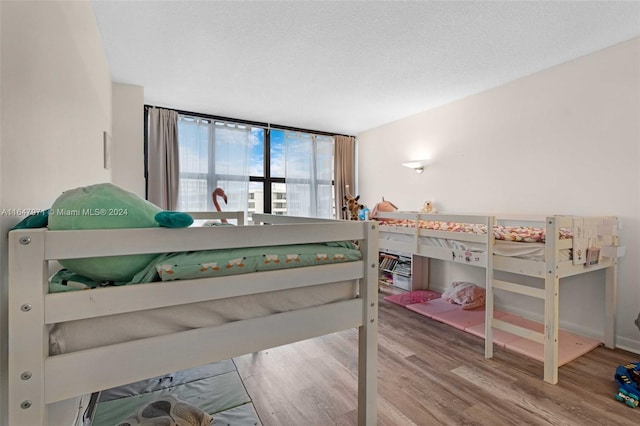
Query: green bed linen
[218,263]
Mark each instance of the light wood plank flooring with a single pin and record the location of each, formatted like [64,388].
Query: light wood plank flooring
[430,374]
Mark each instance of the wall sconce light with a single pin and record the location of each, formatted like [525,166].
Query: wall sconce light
[418,166]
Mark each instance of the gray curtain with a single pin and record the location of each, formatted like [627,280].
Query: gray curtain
[344,169]
[163,168]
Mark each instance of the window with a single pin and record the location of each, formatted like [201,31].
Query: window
[309,174]
[261,169]
[213,154]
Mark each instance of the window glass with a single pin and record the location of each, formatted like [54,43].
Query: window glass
[295,168]
[256,167]
[277,154]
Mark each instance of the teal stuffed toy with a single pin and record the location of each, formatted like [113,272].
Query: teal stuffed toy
[105,206]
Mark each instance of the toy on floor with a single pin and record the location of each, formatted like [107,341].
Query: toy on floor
[628,379]
[630,399]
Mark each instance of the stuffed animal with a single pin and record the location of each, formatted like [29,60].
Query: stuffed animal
[428,208]
[468,295]
[105,206]
[383,206]
[353,206]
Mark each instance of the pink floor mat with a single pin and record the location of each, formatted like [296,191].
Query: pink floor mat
[462,319]
[570,346]
[500,337]
[436,306]
[412,297]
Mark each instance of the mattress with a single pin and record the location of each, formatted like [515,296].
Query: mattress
[83,334]
[530,250]
[525,234]
[95,332]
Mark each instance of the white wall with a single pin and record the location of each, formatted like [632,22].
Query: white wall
[562,141]
[128,138]
[55,103]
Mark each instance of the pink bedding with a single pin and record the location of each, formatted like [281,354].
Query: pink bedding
[506,233]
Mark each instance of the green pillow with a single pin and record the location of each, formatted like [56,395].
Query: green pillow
[106,206]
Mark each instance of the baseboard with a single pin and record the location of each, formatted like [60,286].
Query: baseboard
[629,345]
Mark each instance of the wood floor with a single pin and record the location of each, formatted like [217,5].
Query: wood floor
[430,374]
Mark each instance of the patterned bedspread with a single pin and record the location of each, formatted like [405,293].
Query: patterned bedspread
[218,263]
[523,234]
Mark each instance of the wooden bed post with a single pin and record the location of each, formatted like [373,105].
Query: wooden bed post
[611,296]
[488,315]
[28,342]
[367,333]
[551,302]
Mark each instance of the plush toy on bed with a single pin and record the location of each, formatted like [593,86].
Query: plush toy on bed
[383,206]
[353,206]
[105,206]
[428,208]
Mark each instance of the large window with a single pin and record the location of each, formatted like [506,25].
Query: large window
[213,154]
[261,169]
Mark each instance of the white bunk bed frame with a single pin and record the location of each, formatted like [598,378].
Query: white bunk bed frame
[551,269]
[37,379]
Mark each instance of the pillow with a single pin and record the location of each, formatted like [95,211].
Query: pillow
[468,295]
[106,206]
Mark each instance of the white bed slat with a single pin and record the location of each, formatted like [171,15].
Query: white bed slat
[518,330]
[399,246]
[281,219]
[458,236]
[519,289]
[61,307]
[568,269]
[90,243]
[238,216]
[476,259]
[532,268]
[94,369]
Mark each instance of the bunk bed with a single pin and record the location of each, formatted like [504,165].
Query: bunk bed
[40,379]
[549,248]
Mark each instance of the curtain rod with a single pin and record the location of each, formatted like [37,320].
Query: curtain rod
[253,123]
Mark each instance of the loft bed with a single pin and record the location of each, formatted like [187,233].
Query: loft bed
[331,297]
[543,248]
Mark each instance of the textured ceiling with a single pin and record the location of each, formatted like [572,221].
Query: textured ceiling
[347,66]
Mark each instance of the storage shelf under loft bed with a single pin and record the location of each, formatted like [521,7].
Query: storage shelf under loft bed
[402,270]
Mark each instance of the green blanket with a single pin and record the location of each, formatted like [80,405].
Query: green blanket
[218,263]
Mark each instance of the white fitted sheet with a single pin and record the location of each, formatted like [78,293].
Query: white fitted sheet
[78,335]
[530,251]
